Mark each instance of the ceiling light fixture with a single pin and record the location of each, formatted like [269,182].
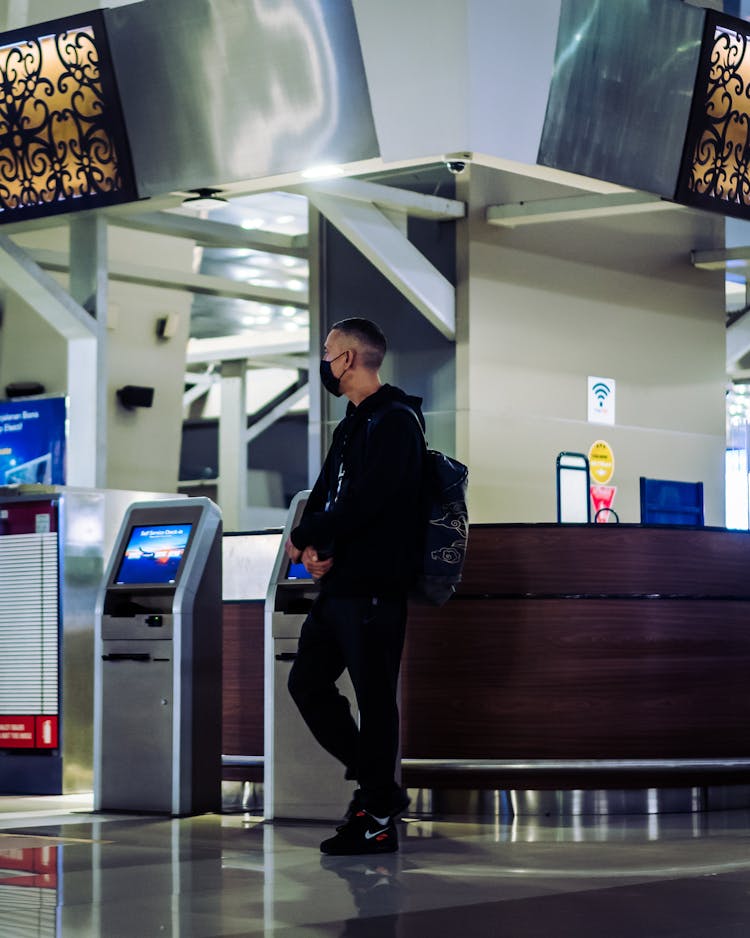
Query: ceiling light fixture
[250,223]
[322,172]
[205,200]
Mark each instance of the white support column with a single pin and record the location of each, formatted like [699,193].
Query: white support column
[48,299]
[316,436]
[232,488]
[87,363]
[84,462]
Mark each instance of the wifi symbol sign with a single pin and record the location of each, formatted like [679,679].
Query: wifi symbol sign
[601,400]
[601,392]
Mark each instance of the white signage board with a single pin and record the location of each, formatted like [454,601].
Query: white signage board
[601,400]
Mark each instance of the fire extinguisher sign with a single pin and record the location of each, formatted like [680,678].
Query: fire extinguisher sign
[28,732]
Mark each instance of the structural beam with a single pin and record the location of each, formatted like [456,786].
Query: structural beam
[726,259]
[400,262]
[212,233]
[21,273]
[575,208]
[738,342]
[201,383]
[291,362]
[283,407]
[232,348]
[202,284]
[389,198]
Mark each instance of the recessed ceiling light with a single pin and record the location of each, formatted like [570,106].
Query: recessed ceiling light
[284,219]
[250,223]
[322,172]
[288,310]
[289,261]
[295,285]
[290,326]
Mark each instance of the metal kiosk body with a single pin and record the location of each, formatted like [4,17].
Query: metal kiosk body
[157,660]
[301,780]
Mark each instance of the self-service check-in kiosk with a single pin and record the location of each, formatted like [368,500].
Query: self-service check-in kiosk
[300,779]
[157,655]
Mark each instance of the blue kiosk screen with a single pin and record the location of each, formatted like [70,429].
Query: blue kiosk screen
[153,554]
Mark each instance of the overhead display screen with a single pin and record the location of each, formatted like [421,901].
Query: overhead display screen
[153,554]
[715,172]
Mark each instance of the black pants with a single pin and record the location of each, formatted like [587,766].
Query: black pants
[364,636]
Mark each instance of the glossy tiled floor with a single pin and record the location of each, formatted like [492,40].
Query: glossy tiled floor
[65,871]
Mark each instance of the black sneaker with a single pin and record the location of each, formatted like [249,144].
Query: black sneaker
[399,803]
[355,805]
[362,834]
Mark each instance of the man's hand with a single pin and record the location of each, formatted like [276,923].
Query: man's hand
[316,568]
[292,552]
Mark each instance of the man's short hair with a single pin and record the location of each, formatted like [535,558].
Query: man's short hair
[369,335]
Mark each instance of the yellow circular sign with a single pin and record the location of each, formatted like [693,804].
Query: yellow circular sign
[601,462]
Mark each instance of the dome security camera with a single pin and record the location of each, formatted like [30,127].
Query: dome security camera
[456,167]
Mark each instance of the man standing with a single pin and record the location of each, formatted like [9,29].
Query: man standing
[359,535]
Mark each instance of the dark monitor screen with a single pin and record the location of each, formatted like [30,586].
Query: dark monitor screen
[153,554]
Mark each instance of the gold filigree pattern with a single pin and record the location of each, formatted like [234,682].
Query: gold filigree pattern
[59,147]
[718,166]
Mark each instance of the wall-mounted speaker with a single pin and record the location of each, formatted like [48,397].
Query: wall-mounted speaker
[132,396]
[23,389]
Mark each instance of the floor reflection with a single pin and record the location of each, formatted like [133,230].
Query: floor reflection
[74,873]
[29,879]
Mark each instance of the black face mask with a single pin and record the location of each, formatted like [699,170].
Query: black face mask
[327,378]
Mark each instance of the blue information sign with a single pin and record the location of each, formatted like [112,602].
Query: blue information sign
[32,441]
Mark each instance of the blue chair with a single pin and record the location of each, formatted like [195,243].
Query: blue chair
[664,501]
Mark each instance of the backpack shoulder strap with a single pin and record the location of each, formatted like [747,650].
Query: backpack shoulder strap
[376,416]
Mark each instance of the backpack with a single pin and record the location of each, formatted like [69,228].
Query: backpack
[446,520]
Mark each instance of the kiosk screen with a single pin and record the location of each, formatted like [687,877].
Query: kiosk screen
[153,554]
[297,571]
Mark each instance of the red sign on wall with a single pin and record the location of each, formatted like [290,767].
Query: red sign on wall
[28,732]
[17,732]
[45,735]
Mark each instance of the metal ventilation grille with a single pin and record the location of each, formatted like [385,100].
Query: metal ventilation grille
[29,624]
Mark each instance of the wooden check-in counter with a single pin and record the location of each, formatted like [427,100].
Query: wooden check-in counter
[571,656]
[585,656]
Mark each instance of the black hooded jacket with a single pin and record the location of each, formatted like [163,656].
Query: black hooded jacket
[364,509]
